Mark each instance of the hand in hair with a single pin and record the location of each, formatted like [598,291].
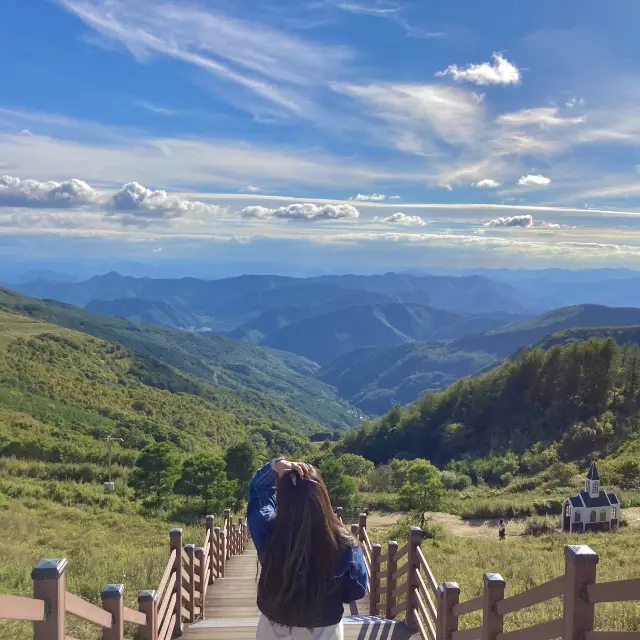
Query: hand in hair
[284,466]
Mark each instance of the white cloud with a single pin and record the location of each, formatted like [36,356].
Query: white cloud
[501,71]
[512,221]
[487,183]
[374,197]
[402,219]
[139,202]
[543,116]
[33,193]
[306,211]
[250,189]
[534,180]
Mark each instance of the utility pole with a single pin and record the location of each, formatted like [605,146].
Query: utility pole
[110,486]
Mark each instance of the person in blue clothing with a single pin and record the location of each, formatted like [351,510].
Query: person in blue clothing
[310,563]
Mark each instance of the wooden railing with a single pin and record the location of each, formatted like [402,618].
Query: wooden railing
[402,583]
[179,598]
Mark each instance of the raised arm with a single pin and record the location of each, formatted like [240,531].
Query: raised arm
[262,504]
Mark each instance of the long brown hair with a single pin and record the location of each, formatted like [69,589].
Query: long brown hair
[299,561]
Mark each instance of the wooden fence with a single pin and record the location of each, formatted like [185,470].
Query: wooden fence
[179,597]
[401,583]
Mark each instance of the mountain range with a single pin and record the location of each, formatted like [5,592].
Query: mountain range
[330,346]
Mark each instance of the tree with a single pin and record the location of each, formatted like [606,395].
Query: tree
[422,490]
[204,475]
[156,472]
[242,460]
[342,489]
[354,465]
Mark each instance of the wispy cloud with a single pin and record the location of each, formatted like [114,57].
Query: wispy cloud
[402,219]
[373,197]
[257,57]
[501,71]
[543,116]
[487,183]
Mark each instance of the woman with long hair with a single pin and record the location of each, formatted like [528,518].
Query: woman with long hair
[310,563]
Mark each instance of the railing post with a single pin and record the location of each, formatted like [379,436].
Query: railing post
[218,553]
[241,536]
[355,531]
[339,511]
[175,542]
[415,538]
[362,522]
[227,530]
[492,622]
[211,550]
[448,595]
[579,572]
[233,541]
[190,549]
[148,604]
[223,552]
[50,585]
[200,554]
[392,566]
[374,588]
[113,602]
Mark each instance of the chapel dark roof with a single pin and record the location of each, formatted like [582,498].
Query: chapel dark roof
[575,501]
[613,498]
[601,500]
[593,472]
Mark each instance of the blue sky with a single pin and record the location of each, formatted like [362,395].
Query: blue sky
[488,134]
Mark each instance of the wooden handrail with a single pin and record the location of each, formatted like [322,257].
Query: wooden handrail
[613,635]
[167,632]
[398,591]
[474,633]
[167,609]
[421,628]
[551,589]
[19,608]
[135,617]
[616,591]
[165,599]
[427,570]
[167,573]
[402,551]
[422,588]
[542,631]
[422,608]
[90,612]
[468,606]
[401,571]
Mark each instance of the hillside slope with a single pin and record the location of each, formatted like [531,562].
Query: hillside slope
[376,378]
[150,311]
[509,339]
[579,399]
[279,385]
[325,337]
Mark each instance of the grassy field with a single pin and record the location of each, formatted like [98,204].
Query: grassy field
[102,546]
[525,562]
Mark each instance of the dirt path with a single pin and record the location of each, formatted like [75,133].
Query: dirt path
[452,524]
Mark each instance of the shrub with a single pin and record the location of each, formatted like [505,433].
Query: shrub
[355,466]
[455,481]
[537,526]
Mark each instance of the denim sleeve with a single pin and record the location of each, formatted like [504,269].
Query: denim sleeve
[261,506]
[354,575]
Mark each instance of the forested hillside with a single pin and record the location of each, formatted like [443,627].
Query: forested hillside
[279,385]
[377,378]
[580,400]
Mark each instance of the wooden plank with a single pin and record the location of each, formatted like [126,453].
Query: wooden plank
[616,591]
[400,607]
[168,632]
[422,630]
[542,631]
[468,606]
[398,591]
[427,569]
[613,635]
[467,634]
[169,607]
[552,589]
[401,571]
[167,574]
[425,614]
[168,596]
[402,551]
[87,611]
[135,617]
[423,587]
[18,608]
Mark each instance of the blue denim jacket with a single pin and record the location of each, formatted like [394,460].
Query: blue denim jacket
[351,575]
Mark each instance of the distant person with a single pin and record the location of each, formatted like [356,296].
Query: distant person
[502,530]
[311,564]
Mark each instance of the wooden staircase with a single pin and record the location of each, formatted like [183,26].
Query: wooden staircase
[230,611]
